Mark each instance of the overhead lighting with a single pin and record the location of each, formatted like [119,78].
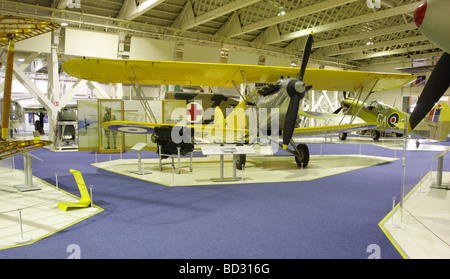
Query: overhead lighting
[64,24]
[281,13]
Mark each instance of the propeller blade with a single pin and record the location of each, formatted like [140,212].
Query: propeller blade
[338,110]
[290,120]
[435,87]
[305,58]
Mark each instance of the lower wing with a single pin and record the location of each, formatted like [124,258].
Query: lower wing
[214,131]
[334,129]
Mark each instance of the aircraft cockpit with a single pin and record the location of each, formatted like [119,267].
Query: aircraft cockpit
[379,106]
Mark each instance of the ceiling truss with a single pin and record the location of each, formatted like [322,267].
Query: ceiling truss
[351,33]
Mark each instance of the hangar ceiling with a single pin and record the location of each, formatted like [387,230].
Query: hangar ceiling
[347,33]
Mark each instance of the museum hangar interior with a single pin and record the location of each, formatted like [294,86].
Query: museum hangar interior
[194,129]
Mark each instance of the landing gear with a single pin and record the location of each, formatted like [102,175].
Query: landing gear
[375,134]
[302,157]
[240,161]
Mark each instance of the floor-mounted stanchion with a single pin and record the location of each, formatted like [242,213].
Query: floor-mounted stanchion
[393,213]
[22,239]
[92,208]
[56,184]
[421,182]
[173,175]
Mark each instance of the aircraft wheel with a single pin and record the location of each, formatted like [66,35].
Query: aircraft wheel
[302,159]
[375,134]
[240,161]
[342,136]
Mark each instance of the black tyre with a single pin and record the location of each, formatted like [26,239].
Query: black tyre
[375,134]
[240,161]
[302,159]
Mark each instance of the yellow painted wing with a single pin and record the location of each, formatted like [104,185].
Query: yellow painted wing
[209,132]
[335,129]
[216,74]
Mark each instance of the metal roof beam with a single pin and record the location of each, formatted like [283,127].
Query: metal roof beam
[360,55]
[347,22]
[289,16]
[187,19]
[377,45]
[132,9]
[365,35]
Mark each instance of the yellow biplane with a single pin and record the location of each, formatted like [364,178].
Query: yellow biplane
[279,100]
[14,29]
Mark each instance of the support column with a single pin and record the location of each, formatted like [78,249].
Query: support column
[53,89]
[7,89]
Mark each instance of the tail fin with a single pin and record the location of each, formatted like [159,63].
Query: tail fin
[438,119]
[219,120]
[236,119]
[236,122]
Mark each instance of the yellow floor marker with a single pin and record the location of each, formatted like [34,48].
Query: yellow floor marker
[85,199]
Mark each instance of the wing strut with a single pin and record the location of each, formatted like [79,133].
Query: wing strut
[355,101]
[140,94]
[248,87]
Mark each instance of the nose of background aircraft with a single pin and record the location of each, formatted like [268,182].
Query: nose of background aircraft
[419,14]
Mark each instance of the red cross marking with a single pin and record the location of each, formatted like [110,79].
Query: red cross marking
[194,112]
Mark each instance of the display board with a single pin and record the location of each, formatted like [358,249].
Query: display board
[110,141]
[87,117]
[91,114]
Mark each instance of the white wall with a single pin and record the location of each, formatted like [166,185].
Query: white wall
[395,97]
[151,49]
[239,57]
[195,53]
[41,43]
[91,43]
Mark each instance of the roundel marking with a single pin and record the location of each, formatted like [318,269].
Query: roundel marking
[131,129]
[393,119]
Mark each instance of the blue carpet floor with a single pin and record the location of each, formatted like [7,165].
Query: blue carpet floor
[332,217]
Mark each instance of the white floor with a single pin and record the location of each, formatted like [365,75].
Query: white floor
[388,142]
[38,210]
[272,169]
[421,228]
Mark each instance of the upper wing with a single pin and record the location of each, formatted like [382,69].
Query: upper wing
[325,130]
[217,74]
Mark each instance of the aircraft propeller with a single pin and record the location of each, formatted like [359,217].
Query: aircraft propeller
[296,90]
[435,87]
[430,17]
